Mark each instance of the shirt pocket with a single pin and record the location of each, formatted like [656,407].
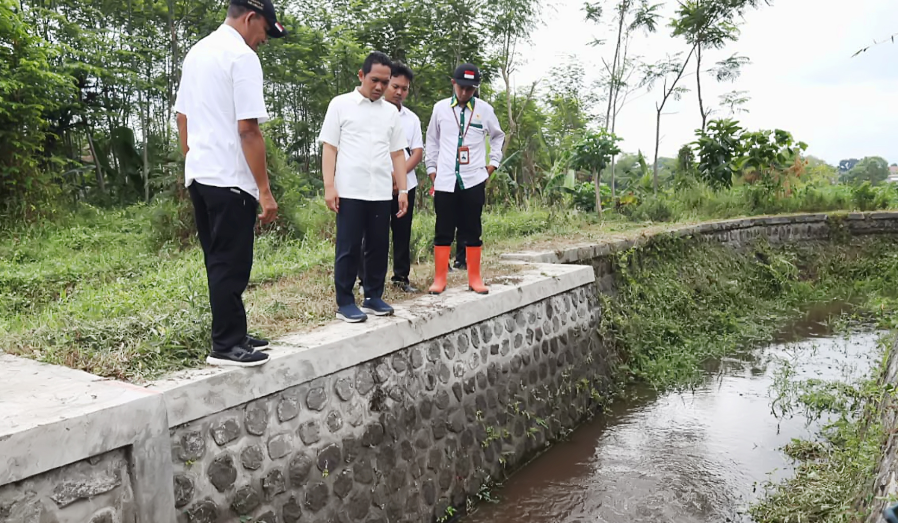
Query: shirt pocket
[474,134]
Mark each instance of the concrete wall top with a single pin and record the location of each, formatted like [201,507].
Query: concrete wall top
[301,358]
[586,251]
[52,416]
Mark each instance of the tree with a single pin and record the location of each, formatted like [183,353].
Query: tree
[709,25]
[570,106]
[630,16]
[818,172]
[772,159]
[29,90]
[873,169]
[592,153]
[734,100]
[669,71]
[512,23]
[847,165]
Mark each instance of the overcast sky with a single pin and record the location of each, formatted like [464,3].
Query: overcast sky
[802,77]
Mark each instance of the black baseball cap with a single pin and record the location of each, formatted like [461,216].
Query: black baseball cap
[467,75]
[266,9]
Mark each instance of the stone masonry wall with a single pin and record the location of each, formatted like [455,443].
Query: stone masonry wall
[97,490]
[404,437]
[743,233]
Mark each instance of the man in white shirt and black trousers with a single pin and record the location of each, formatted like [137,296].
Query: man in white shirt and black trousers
[396,93]
[457,164]
[362,156]
[219,106]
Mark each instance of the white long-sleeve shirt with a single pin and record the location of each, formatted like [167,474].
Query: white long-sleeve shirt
[441,149]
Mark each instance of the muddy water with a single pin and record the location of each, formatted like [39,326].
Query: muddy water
[696,456]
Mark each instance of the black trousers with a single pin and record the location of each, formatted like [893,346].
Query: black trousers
[460,212]
[356,220]
[402,237]
[225,219]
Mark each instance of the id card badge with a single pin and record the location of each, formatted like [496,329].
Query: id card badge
[463,155]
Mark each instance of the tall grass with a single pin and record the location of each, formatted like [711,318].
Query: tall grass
[122,292]
[697,201]
[105,291]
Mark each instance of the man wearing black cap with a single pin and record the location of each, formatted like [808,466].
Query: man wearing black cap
[457,163]
[220,105]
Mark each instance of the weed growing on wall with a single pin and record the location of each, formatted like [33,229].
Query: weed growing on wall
[679,302]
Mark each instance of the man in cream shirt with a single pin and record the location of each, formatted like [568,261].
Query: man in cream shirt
[363,155]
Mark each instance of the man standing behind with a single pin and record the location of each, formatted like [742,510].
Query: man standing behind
[219,107]
[363,155]
[457,164]
[396,94]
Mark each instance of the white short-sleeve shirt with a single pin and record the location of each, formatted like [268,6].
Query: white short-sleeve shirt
[411,124]
[364,133]
[221,83]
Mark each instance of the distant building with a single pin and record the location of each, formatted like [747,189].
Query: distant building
[893,174]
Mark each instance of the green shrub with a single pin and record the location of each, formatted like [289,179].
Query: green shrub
[172,223]
[653,209]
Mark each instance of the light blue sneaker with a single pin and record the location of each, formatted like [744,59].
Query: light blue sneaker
[351,314]
[377,307]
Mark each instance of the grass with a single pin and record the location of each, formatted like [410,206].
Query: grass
[111,292]
[95,291]
[832,482]
[678,305]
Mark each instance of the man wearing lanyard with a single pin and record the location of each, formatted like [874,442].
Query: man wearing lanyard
[401,226]
[219,107]
[457,164]
[363,155]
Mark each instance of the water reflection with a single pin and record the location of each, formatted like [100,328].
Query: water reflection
[694,456]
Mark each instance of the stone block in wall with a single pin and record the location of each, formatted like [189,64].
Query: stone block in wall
[92,490]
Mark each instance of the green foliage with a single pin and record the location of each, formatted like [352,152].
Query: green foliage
[872,169]
[592,153]
[583,195]
[719,149]
[29,89]
[679,304]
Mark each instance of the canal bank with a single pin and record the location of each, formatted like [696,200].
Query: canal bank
[406,418]
[697,455]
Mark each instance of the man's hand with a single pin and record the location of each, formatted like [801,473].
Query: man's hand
[269,208]
[332,199]
[403,205]
[490,169]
